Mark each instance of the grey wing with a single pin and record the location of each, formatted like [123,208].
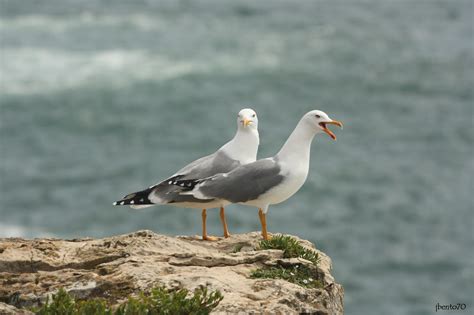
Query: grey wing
[244,183]
[168,192]
[210,165]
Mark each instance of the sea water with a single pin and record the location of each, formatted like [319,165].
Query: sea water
[99,99]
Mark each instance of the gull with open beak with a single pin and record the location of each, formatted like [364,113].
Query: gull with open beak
[242,149]
[268,181]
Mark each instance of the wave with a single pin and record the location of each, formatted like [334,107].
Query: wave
[36,70]
[39,70]
[11,230]
[142,22]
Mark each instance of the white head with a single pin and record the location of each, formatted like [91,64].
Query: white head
[244,146]
[318,121]
[247,119]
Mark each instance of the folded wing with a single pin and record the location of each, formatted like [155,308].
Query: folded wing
[247,182]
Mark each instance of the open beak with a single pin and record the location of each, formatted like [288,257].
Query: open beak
[246,122]
[326,130]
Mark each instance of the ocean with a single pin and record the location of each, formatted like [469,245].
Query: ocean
[102,98]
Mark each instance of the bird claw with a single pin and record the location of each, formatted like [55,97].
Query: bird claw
[267,236]
[210,238]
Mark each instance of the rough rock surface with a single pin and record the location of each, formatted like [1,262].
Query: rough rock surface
[118,266]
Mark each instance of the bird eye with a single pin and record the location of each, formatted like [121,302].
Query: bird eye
[253,115]
[318,116]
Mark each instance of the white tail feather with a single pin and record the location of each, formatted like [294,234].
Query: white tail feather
[141,206]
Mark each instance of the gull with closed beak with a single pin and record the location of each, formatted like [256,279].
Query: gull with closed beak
[242,149]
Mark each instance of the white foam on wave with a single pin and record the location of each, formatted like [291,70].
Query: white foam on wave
[11,230]
[58,24]
[37,70]
[31,70]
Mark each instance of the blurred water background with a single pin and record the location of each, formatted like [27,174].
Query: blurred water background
[101,98]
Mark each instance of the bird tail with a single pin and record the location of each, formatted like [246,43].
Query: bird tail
[137,200]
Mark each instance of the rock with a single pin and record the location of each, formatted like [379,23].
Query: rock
[6,309]
[116,267]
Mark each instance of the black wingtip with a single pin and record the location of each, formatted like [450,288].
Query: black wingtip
[136,198]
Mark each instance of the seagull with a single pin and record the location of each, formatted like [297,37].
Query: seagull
[242,149]
[267,181]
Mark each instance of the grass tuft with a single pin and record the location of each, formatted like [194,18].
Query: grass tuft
[159,301]
[291,248]
[299,274]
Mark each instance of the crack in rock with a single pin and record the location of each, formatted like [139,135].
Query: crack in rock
[226,260]
[32,266]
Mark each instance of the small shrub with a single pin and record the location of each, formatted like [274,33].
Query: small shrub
[299,274]
[61,303]
[94,307]
[291,248]
[159,301]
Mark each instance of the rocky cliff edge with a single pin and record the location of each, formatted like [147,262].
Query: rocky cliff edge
[116,267]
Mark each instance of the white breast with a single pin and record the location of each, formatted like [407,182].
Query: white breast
[293,180]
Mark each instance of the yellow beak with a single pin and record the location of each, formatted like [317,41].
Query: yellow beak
[246,122]
[329,132]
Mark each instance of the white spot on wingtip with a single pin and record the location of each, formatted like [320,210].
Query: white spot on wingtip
[122,203]
[182,185]
[132,202]
[141,200]
[115,203]
[170,182]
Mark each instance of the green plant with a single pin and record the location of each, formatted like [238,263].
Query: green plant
[161,301]
[61,303]
[299,274]
[158,302]
[291,248]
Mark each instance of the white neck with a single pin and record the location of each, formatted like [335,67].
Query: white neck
[244,146]
[296,150]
